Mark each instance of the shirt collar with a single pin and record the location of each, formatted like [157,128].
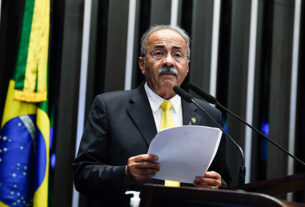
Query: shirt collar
[156,100]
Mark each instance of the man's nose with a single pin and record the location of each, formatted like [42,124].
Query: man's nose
[168,60]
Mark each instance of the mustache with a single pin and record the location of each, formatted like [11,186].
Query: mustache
[168,70]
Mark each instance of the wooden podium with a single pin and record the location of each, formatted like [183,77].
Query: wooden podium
[278,186]
[158,195]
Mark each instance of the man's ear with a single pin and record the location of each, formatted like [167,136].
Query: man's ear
[141,65]
[188,67]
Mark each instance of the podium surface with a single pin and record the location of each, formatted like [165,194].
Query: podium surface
[158,195]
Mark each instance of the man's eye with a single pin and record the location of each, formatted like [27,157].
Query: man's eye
[177,55]
[158,53]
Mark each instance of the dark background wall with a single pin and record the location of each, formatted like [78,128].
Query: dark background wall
[107,61]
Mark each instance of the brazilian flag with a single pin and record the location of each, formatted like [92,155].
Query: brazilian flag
[25,127]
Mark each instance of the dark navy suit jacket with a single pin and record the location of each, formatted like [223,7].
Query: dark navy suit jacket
[121,125]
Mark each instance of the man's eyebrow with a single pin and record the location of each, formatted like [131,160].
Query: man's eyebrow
[177,48]
[159,47]
[163,46]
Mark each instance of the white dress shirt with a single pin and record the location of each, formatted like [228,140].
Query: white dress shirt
[155,101]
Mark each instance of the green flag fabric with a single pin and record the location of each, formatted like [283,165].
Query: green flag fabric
[25,128]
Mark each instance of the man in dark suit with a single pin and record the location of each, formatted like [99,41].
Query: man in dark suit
[112,157]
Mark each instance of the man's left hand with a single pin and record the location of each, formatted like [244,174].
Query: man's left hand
[211,180]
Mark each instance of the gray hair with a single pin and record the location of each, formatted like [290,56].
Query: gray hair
[154,28]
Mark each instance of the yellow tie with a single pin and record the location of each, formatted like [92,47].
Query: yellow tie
[166,122]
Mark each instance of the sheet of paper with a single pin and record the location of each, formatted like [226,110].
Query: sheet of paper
[185,152]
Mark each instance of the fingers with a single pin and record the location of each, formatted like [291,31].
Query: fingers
[201,185]
[212,174]
[144,157]
[143,171]
[142,167]
[209,180]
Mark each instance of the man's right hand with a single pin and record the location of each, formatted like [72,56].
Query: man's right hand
[142,167]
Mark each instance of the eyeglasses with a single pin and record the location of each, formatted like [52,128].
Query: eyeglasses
[178,56]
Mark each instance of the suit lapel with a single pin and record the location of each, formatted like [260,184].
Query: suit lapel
[140,112]
[193,116]
[189,112]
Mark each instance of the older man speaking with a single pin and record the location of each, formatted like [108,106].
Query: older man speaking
[112,157]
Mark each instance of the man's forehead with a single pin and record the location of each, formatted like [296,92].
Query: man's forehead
[166,38]
[164,33]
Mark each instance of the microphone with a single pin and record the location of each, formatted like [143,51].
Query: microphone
[211,99]
[242,170]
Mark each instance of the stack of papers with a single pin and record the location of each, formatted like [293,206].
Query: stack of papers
[185,152]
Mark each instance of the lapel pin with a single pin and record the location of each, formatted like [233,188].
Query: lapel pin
[192,121]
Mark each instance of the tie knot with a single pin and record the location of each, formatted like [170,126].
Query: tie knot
[166,105]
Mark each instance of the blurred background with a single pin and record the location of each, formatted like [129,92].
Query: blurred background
[250,54]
